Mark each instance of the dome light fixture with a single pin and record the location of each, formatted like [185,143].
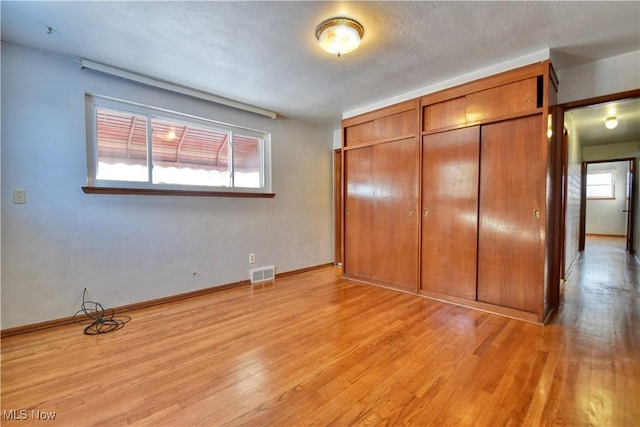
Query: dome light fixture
[339,35]
[611,122]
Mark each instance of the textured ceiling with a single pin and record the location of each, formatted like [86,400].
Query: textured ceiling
[265,53]
[589,122]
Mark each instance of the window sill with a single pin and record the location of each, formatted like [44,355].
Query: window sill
[165,192]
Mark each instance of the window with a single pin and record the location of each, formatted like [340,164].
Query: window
[133,146]
[601,185]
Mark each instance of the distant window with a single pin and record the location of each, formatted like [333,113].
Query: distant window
[601,185]
[142,147]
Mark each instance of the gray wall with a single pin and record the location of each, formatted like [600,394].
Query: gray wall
[127,248]
[611,75]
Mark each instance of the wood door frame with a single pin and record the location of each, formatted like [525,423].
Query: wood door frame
[583,207]
[337,206]
[631,213]
[563,207]
[561,110]
[630,221]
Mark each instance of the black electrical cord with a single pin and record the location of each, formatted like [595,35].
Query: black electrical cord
[100,320]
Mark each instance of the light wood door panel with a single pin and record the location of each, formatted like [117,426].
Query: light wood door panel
[450,162]
[511,234]
[517,97]
[446,113]
[358,210]
[395,213]
[393,126]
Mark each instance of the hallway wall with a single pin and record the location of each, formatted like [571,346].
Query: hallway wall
[572,217]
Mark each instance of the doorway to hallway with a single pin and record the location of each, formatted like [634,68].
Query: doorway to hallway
[609,199]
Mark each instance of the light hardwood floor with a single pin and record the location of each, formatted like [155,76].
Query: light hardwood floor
[314,349]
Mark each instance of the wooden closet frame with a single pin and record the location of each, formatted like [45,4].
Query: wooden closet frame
[553,220]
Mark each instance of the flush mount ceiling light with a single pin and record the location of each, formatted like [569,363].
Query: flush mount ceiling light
[339,35]
[611,122]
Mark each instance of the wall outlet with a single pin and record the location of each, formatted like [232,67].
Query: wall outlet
[252,258]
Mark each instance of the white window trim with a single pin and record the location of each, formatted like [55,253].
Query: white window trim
[94,101]
[612,185]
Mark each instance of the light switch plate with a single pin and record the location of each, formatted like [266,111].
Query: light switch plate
[20,197]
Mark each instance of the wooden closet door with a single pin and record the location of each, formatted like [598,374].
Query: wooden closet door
[394,235]
[512,214]
[358,206]
[450,162]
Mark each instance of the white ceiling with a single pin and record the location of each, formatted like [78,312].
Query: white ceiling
[589,122]
[265,53]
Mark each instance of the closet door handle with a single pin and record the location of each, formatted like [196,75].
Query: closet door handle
[536,213]
[425,212]
[410,211]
